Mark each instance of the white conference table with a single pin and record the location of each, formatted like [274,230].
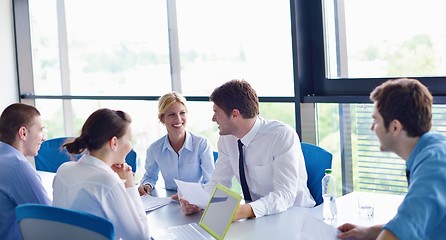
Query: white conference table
[47,182]
[285,225]
[288,224]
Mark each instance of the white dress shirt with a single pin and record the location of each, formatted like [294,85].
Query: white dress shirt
[90,185]
[274,167]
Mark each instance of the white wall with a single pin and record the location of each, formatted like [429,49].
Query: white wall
[8,76]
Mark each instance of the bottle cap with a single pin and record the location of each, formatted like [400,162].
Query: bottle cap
[328,171]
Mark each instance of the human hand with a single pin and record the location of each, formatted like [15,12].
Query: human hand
[188,208]
[175,196]
[144,189]
[124,172]
[351,231]
[244,211]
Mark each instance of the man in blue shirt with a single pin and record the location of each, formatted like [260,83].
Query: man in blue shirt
[20,135]
[402,119]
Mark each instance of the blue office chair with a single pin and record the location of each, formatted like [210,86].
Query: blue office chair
[317,160]
[51,155]
[38,221]
[215,156]
[132,160]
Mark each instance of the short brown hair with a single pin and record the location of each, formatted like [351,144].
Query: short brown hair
[406,100]
[13,118]
[236,94]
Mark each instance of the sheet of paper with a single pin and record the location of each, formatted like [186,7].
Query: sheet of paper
[151,203]
[314,228]
[193,193]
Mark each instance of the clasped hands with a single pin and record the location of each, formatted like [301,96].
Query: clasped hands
[124,172]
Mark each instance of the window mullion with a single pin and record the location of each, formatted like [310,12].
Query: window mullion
[64,67]
[174,49]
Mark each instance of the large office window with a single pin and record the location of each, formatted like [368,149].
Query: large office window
[352,46]
[365,43]
[222,40]
[367,168]
[385,38]
[124,56]
[329,54]
[95,50]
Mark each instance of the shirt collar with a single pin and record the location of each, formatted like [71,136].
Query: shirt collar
[188,144]
[418,147]
[87,159]
[12,149]
[246,140]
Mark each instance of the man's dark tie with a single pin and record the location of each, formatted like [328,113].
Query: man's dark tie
[241,167]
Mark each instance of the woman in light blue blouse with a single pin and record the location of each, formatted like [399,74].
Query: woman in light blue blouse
[179,154]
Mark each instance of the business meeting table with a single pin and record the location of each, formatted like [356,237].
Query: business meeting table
[290,224]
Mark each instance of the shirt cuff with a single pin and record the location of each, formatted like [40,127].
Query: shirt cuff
[147,183]
[257,208]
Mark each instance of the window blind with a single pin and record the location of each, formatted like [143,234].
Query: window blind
[378,171]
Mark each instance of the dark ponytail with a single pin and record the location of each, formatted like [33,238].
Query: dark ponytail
[98,129]
[77,145]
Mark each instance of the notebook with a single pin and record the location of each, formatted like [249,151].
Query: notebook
[151,203]
[214,223]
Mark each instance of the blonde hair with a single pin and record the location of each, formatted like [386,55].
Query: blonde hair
[167,100]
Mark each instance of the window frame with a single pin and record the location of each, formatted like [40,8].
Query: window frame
[310,82]
[315,87]
[25,79]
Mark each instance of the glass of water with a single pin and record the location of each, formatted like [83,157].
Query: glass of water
[366,206]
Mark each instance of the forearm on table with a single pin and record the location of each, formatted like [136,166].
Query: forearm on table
[244,211]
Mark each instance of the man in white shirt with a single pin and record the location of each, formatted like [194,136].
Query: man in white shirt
[274,166]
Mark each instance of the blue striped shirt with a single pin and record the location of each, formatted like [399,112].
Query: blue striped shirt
[193,163]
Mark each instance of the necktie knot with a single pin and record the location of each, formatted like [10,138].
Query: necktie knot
[240,144]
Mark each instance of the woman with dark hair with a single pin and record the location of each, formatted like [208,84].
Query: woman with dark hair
[101,182]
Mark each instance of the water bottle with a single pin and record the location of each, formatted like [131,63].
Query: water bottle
[329,195]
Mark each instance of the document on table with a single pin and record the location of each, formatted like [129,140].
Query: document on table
[151,203]
[193,193]
[314,228]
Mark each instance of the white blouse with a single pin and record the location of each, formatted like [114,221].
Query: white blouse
[91,186]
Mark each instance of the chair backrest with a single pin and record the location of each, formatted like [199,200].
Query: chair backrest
[38,221]
[317,160]
[131,159]
[215,156]
[51,155]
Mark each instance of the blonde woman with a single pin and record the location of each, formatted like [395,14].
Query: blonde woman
[179,154]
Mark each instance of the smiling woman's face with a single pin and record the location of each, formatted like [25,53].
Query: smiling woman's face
[175,119]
